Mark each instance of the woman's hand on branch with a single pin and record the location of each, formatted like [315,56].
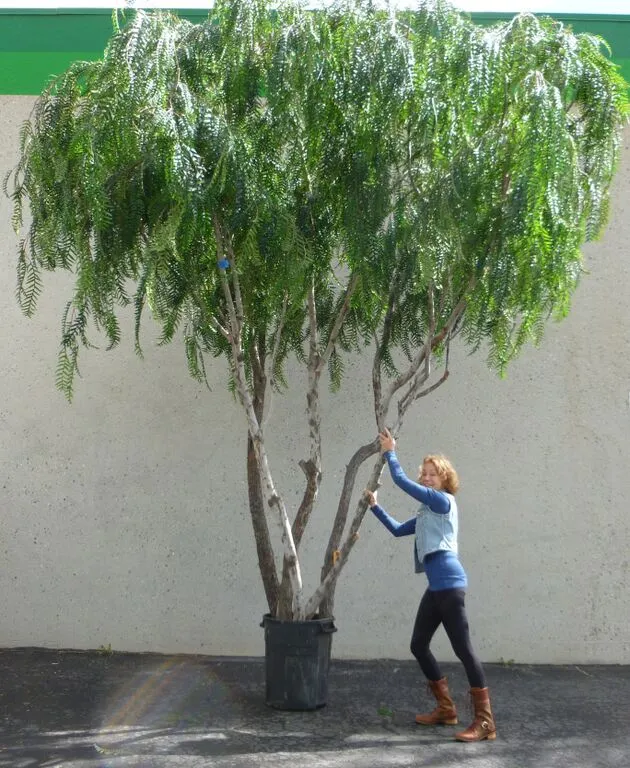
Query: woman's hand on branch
[371,498]
[387,441]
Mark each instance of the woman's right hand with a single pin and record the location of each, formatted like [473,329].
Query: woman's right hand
[371,498]
[387,441]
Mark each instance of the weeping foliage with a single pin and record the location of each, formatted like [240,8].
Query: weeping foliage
[437,160]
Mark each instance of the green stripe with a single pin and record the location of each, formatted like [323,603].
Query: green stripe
[614,29]
[624,64]
[37,44]
[28,72]
[46,31]
[54,33]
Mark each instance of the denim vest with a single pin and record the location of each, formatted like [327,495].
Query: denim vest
[434,531]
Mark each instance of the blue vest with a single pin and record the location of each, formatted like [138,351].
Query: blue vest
[435,531]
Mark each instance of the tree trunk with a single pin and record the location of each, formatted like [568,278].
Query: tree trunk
[327,605]
[313,477]
[266,559]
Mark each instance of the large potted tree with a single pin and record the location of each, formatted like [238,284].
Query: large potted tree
[277,183]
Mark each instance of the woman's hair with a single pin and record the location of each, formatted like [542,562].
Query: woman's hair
[446,471]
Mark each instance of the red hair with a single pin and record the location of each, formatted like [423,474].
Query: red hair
[445,470]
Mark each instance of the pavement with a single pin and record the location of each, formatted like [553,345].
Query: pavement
[113,710]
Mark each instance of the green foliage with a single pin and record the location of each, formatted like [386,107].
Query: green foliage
[435,160]
[385,710]
[105,650]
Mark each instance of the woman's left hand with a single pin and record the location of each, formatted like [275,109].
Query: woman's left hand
[371,497]
[387,441]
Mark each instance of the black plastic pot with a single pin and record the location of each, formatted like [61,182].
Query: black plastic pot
[297,659]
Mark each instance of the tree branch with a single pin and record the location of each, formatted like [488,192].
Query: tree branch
[336,329]
[236,282]
[335,557]
[409,169]
[313,603]
[258,367]
[312,395]
[434,386]
[312,467]
[214,323]
[419,379]
[377,386]
[437,339]
[352,469]
[274,499]
[313,340]
[235,323]
[334,564]
[264,548]
[255,431]
[277,339]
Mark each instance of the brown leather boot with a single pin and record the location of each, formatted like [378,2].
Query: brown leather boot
[482,727]
[445,712]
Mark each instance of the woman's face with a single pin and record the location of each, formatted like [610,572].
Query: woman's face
[429,476]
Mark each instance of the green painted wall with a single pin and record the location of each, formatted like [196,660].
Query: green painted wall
[37,44]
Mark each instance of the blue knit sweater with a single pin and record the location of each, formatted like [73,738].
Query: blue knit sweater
[439,556]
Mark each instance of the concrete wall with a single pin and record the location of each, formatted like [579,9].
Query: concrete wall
[124,515]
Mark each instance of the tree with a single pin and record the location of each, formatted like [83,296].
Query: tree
[276,183]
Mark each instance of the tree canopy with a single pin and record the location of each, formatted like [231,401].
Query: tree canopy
[414,148]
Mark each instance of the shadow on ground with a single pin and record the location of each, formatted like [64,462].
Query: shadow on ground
[78,709]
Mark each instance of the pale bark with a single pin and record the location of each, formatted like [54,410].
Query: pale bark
[290,602]
[235,314]
[377,387]
[273,498]
[276,343]
[338,324]
[312,467]
[264,549]
[325,591]
[352,469]
[313,478]
[337,553]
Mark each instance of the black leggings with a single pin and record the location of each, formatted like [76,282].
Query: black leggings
[445,607]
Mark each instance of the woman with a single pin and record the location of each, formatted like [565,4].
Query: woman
[435,529]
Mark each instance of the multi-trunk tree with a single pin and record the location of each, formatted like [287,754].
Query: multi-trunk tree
[282,182]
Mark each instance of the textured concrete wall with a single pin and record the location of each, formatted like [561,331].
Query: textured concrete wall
[124,516]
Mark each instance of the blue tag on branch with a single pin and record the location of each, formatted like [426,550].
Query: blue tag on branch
[224,264]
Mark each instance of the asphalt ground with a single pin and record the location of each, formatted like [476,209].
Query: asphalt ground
[100,710]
